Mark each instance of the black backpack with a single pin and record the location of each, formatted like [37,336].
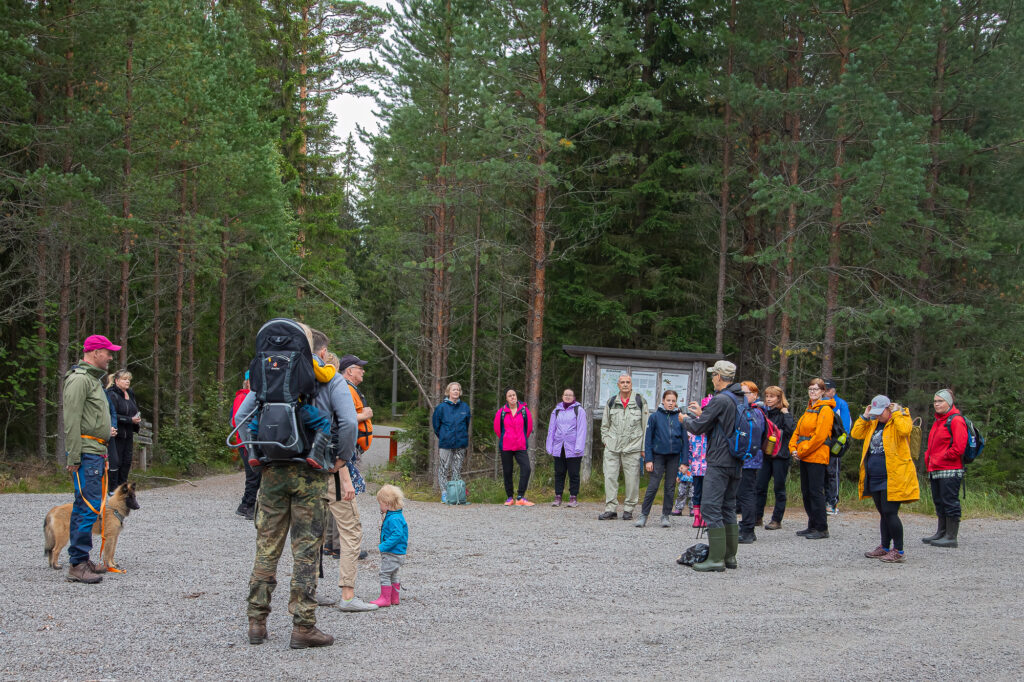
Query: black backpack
[280,375]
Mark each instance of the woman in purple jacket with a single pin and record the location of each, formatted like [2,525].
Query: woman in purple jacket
[567,436]
[513,425]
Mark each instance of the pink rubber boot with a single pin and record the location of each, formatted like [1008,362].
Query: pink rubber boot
[385,596]
[394,593]
[698,520]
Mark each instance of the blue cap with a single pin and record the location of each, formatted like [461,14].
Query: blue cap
[246,375]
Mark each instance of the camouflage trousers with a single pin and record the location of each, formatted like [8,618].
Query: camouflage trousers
[290,499]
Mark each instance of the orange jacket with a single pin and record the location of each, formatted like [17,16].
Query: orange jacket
[814,427]
[365,436]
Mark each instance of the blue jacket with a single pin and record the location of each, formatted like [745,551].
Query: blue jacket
[394,533]
[451,424]
[843,412]
[665,436]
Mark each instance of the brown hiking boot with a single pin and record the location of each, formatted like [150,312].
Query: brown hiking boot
[773,525]
[257,630]
[82,574]
[304,636]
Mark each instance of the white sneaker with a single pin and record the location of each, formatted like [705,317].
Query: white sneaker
[355,605]
[832,509]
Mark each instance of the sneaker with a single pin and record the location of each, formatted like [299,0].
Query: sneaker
[444,497]
[572,501]
[510,501]
[894,557]
[627,516]
[355,605]
[605,516]
[832,509]
[665,522]
[523,502]
[677,512]
[804,532]
[816,535]
[641,520]
[876,553]
[557,502]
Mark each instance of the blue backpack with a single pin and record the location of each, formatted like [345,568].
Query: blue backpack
[748,431]
[975,441]
[455,493]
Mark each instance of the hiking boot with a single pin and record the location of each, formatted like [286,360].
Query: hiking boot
[607,516]
[773,525]
[557,502]
[355,605]
[665,521]
[758,521]
[876,553]
[305,636]
[363,554]
[677,512]
[805,532]
[940,532]
[627,516]
[949,539]
[81,573]
[257,630]
[747,538]
[816,535]
[572,501]
[894,557]
[641,520]
[244,510]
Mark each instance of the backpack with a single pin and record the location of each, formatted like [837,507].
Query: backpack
[280,375]
[611,401]
[975,441]
[455,493]
[772,443]
[526,425]
[915,439]
[747,432]
[838,441]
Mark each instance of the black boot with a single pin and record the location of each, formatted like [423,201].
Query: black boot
[939,533]
[949,539]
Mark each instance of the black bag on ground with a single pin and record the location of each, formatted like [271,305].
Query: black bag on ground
[281,374]
[693,555]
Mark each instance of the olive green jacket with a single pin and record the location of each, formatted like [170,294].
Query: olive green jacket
[86,412]
[622,430]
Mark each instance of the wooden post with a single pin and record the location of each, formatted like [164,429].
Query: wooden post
[145,438]
[590,396]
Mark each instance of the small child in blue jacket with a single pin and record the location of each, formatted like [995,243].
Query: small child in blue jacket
[394,539]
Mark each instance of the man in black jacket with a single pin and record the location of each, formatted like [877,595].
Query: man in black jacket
[722,480]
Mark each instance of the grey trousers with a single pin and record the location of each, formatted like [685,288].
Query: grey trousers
[718,501]
[389,565]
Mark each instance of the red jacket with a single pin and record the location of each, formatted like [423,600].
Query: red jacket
[239,398]
[943,452]
[517,427]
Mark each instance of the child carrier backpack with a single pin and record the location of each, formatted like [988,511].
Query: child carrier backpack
[748,431]
[280,375]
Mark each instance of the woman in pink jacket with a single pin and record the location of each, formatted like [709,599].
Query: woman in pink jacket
[513,425]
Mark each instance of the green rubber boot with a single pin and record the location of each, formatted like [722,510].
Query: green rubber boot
[732,543]
[716,552]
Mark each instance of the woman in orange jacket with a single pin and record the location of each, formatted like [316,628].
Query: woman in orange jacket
[887,473]
[808,445]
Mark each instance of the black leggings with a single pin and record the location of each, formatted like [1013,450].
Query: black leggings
[119,454]
[698,490]
[889,523]
[571,465]
[507,457]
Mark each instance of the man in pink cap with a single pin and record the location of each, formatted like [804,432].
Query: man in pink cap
[87,428]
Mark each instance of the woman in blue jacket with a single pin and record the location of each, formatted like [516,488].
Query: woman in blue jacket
[451,420]
[665,444]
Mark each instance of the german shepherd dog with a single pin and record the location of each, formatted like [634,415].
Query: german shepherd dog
[58,521]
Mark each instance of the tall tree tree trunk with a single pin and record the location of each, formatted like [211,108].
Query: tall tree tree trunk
[156,333]
[535,319]
[476,312]
[179,293]
[723,209]
[41,334]
[793,80]
[222,316]
[64,305]
[126,209]
[835,235]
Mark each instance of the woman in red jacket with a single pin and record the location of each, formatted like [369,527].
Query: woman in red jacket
[513,424]
[943,459]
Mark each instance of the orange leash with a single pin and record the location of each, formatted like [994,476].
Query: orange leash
[103,508]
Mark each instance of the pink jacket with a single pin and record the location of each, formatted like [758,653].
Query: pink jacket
[513,429]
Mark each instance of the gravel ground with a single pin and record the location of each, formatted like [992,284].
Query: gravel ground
[518,592]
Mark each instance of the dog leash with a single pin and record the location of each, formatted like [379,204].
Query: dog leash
[103,508]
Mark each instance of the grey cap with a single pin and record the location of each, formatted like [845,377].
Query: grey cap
[724,369]
[878,405]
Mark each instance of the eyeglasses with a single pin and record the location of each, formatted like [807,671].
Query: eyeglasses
[813,389]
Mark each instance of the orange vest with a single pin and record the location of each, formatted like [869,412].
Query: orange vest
[365,436]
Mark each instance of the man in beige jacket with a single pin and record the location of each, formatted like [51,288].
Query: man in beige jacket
[622,434]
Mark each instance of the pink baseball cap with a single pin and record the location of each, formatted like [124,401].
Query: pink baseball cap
[97,341]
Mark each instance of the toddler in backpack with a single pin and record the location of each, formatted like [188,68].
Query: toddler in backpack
[394,539]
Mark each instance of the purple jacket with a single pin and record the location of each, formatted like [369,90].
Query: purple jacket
[567,428]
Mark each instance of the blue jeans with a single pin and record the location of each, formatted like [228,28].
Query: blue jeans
[88,482]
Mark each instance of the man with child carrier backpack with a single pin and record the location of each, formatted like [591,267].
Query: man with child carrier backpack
[284,425]
[729,420]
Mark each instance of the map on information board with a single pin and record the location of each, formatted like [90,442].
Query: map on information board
[678,382]
[646,384]
[609,384]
